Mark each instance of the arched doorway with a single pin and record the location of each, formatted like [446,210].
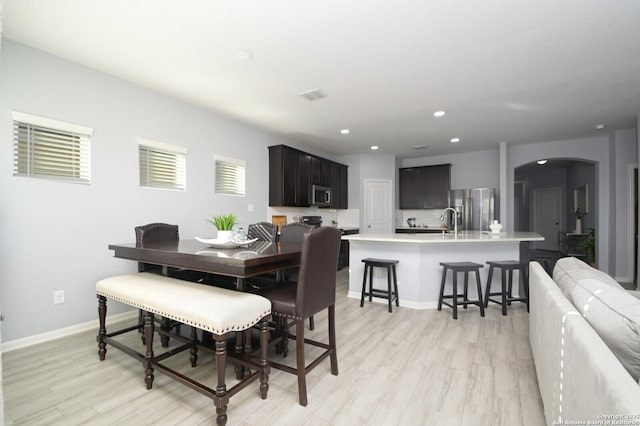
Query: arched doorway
[546,200]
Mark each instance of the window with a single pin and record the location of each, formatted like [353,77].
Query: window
[230,179]
[51,149]
[162,165]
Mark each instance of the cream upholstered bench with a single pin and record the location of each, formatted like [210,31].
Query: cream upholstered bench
[218,311]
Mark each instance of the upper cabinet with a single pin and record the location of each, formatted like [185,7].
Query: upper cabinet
[293,172]
[425,187]
[338,183]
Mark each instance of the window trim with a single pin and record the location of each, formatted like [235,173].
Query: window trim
[43,125]
[181,155]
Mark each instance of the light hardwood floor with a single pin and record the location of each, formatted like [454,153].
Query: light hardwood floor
[406,368]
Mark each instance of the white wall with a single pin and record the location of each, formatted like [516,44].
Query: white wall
[55,235]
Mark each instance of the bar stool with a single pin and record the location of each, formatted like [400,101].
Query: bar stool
[506,293]
[390,266]
[456,267]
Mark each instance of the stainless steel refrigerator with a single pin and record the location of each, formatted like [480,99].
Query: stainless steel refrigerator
[475,207]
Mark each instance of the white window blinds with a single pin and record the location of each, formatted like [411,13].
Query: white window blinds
[162,165]
[51,149]
[230,176]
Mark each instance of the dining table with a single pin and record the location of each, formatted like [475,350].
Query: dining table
[242,262]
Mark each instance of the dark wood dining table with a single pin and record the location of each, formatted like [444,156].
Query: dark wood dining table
[243,262]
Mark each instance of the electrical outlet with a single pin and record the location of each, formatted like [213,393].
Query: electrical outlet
[251,207]
[58,297]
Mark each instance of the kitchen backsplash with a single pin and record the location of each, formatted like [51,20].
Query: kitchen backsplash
[343,218]
[431,218]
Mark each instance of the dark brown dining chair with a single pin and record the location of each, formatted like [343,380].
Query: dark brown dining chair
[263,231]
[162,234]
[293,233]
[314,292]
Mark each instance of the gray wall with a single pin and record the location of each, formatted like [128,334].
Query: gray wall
[55,235]
[594,149]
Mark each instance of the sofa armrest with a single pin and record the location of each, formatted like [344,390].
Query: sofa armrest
[634,293]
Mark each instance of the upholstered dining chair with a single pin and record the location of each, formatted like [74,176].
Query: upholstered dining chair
[263,231]
[165,234]
[293,233]
[314,292]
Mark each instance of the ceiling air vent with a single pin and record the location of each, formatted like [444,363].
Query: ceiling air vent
[314,95]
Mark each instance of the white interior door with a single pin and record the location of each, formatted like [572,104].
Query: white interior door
[547,216]
[377,205]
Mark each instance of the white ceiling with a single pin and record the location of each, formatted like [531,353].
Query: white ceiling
[503,70]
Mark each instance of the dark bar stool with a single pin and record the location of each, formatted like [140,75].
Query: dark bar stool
[506,295]
[390,266]
[456,267]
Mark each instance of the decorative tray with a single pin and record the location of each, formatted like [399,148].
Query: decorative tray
[228,244]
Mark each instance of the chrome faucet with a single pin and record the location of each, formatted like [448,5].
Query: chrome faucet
[455,219]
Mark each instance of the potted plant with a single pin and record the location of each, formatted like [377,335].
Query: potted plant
[589,246]
[224,223]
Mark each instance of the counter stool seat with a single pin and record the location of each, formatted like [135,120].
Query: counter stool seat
[389,294]
[506,292]
[464,267]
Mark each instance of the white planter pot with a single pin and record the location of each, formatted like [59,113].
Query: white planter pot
[224,236]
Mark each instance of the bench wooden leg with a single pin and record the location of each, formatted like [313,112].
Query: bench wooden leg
[102,313]
[148,356]
[221,398]
[193,352]
[264,364]
[238,350]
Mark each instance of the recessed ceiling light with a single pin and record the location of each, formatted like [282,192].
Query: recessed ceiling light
[314,94]
[374,147]
[541,162]
[455,140]
[244,55]
[344,131]
[438,113]
[600,126]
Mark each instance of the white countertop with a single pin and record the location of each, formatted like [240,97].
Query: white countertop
[445,238]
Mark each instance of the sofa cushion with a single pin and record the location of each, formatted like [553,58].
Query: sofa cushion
[612,312]
[579,270]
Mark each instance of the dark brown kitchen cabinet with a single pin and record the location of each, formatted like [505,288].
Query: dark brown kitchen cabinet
[289,177]
[425,187]
[338,183]
[292,173]
[320,171]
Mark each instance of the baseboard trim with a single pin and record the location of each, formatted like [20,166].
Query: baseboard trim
[12,345]
[623,279]
[403,303]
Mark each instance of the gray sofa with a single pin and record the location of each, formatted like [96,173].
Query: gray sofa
[584,330]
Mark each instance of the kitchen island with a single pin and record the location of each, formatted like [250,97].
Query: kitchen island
[419,272]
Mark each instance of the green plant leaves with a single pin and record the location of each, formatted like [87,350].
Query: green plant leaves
[223,222]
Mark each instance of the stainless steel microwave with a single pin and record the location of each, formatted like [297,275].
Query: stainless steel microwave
[320,195]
